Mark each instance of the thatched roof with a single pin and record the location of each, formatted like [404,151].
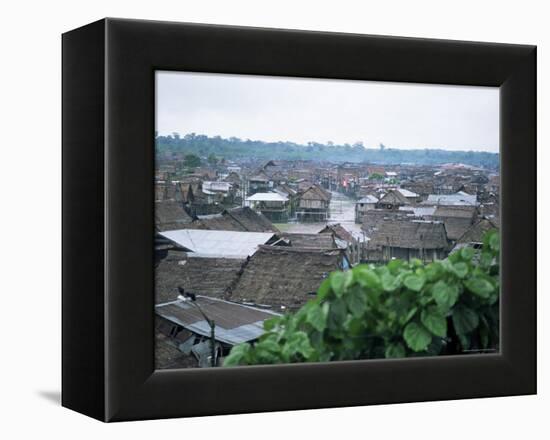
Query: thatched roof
[375,170]
[170,215]
[167,355]
[284,276]
[326,192]
[219,222]
[457,211]
[304,185]
[374,217]
[475,233]
[203,276]
[273,166]
[315,192]
[394,197]
[237,219]
[160,191]
[186,190]
[457,219]
[167,190]
[423,188]
[338,231]
[205,172]
[277,176]
[251,220]
[309,241]
[283,188]
[261,176]
[233,177]
[456,227]
[410,235]
[190,189]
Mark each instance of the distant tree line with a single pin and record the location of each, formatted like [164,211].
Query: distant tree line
[235,148]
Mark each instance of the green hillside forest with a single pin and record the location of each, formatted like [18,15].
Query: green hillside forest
[234,148]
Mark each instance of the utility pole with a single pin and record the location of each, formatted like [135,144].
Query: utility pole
[192,298]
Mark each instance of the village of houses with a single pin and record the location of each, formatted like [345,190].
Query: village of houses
[241,241]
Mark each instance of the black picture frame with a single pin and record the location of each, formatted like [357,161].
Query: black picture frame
[108,167]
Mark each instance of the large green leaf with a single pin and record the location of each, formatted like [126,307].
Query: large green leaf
[486,259]
[395,350]
[460,269]
[298,343]
[434,322]
[395,266]
[417,336]
[267,351]
[414,282]
[479,286]
[366,277]
[317,316]
[271,323]
[355,326]
[324,289]
[357,301]
[465,320]
[409,315]
[445,294]
[339,281]
[434,270]
[389,282]
[337,314]
[237,356]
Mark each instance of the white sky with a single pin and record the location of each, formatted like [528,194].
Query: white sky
[269,108]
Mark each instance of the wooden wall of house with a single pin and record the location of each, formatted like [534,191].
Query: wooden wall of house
[280,216]
[313,204]
[362,209]
[312,215]
[426,255]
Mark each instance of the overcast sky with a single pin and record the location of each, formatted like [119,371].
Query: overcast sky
[399,115]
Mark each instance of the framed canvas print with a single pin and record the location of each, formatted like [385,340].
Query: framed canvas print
[333,219]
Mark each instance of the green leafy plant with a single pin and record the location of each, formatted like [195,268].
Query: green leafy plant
[376,176]
[396,310]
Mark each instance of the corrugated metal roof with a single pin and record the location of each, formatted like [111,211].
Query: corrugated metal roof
[419,211]
[460,198]
[368,199]
[267,197]
[235,323]
[407,193]
[215,186]
[218,243]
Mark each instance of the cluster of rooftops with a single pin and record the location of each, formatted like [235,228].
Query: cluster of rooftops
[241,275]
[242,269]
